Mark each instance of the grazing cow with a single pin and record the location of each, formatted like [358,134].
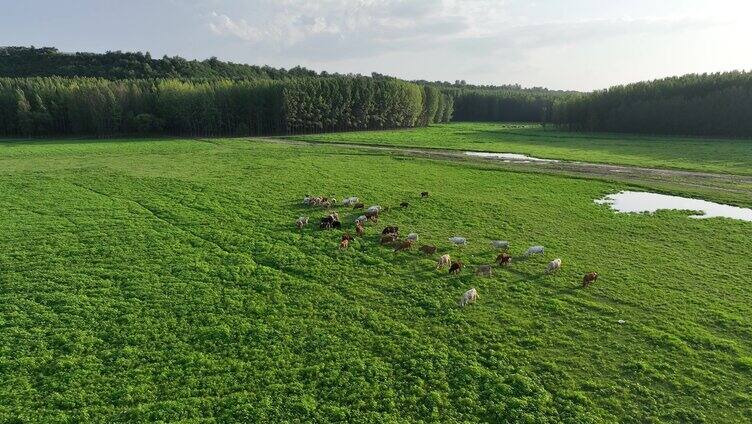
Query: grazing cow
[359,206]
[301,222]
[344,244]
[405,245]
[347,237]
[459,241]
[390,230]
[374,208]
[470,296]
[500,244]
[350,201]
[388,238]
[412,236]
[444,260]
[404,204]
[483,271]
[456,267]
[553,265]
[428,249]
[424,194]
[372,215]
[589,279]
[361,219]
[535,250]
[504,259]
[359,230]
[326,222]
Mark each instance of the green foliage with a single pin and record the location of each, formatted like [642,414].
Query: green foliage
[717,104]
[88,106]
[164,280]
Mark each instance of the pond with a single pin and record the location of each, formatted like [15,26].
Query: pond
[637,201]
[508,157]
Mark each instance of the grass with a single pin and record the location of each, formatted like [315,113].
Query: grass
[696,154]
[164,280]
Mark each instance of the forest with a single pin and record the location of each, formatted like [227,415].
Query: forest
[718,104]
[100,107]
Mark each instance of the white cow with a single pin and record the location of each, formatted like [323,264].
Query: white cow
[361,218]
[553,265]
[374,208]
[535,250]
[500,244]
[444,260]
[470,296]
[459,241]
[350,201]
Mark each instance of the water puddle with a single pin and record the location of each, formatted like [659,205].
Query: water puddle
[636,201]
[509,157]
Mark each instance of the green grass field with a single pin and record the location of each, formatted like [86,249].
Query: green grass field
[696,154]
[164,280]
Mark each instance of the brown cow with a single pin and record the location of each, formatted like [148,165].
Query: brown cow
[428,249]
[344,244]
[390,230]
[359,230]
[589,279]
[504,259]
[347,237]
[405,245]
[388,238]
[456,267]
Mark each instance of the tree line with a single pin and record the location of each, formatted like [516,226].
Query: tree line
[499,105]
[718,104]
[102,107]
[26,62]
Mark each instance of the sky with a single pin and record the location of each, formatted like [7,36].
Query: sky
[558,44]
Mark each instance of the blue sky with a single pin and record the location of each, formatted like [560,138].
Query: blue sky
[574,44]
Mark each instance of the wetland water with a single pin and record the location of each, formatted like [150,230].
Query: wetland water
[637,201]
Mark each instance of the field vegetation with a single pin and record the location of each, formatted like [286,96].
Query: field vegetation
[148,280]
[697,154]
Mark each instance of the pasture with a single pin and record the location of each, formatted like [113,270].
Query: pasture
[695,154]
[150,280]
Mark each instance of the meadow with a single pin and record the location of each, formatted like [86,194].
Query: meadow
[164,280]
[732,156]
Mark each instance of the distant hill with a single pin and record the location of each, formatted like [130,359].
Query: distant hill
[22,62]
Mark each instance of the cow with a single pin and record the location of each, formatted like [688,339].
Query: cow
[359,229]
[374,208]
[405,245]
[456,267]
[444,260]
[372,215]
[404,204]
[390,230]
[459,241]
[326,222]
[428,249]
[483,271]
[301,222]
[344,244]
[470,296]
[504,259]
[589,279]
[347,237]
[535,250]
[350,201]
[553,265]
[388,238]
[424,194]
[361,219]
[500,244]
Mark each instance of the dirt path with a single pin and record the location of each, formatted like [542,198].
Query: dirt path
[733,188]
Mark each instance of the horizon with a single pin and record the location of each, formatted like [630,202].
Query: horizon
[578,46]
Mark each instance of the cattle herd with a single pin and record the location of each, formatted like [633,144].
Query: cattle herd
[390,236]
